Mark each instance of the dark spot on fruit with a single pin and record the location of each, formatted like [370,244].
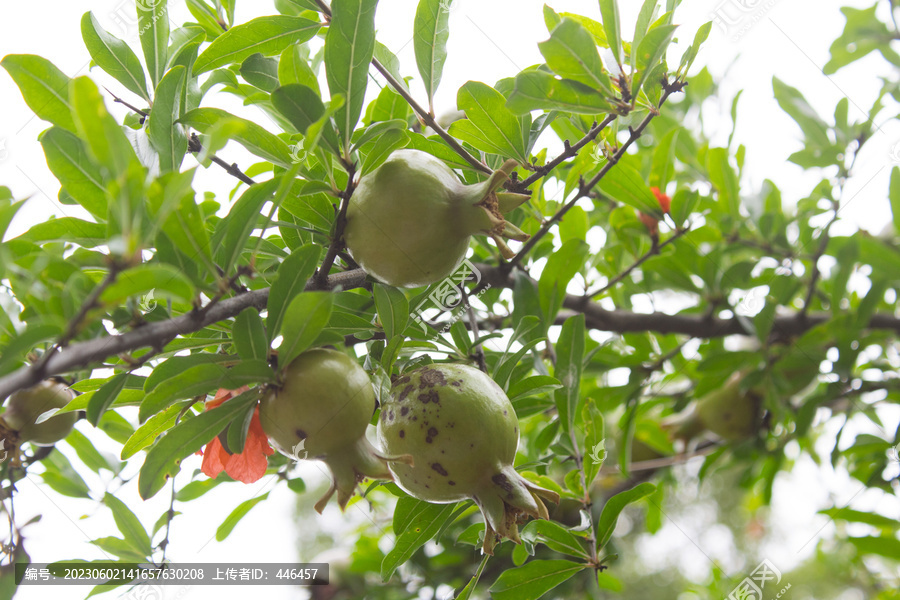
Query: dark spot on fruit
[402,380]
[437,467]
[415,418]
[505,413]
[383,416]
[471,445]
[501,481]
[456,383]
[451,425]
[300,434]
[431,396]
[432,432]
[451,482]
[405,393]
[403,411]
[391,416]
[430,378]
[402,433]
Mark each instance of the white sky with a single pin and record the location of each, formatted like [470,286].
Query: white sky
[489,40]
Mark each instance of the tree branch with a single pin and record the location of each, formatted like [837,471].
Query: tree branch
[337,241]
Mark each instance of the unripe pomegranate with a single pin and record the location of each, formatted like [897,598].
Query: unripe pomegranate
[320,412]
[726,411]
[462,433]
[409,221]
[25,406]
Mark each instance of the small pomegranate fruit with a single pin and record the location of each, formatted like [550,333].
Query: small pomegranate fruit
[462,432]
[726,411]
[409,221]
[320,412]
[25,406]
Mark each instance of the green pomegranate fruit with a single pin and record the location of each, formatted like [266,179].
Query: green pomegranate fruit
[26,406]
[462,432]
[726,411]
[321,412]
[409,221]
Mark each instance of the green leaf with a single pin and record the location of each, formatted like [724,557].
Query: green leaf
[155,426]
[129,525]
[185,41]
[349,46]
[651,49]
[613,508]
[164,459]
[291,279]
[894,195]
[490,126]
[201,380]
[888,547]
[561,267]
[539,90]
[62,477]
[106,142]
[625,184]
[558,538]
[533,579]
[104,397]
[594,441]
[294,68]
[262,72]
[68,160]
[300,104]
[113,56]
[792,102]
[251,136]
[569,365]
[44,87]
[571,53]
[422,523]
[233,231]
[430,34]
[166,136]
[236,515]
[724,178]
[266,35]
[378,151]
[664,161]
[609,10]
[393,309]
[304,319]
[856,516]
[250,335]
[89,455]
[162,280]
[153,24]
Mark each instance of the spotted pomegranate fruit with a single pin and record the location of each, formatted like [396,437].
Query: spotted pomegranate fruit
[321,411]
[26,406]
[409,221]
[462,432]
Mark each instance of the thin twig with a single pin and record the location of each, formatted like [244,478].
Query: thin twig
[652,252]
[477,350]
[585,188]
[194,146]
[337,241]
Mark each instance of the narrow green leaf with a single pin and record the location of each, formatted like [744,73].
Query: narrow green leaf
[105,140]
[104,397]
[89,455]
[305,318]
[67,229]
[594,441]
[236,515]
[393,309]
[291,279]
[44,87]
[791,101]
[153,24]
[68,160]
[164,459]
[166,136]
[561,267]
[129,525]
[558,538]
[613,508]
[163,280]
[609,10]
[251,136]
[894,196]
[423,522]
[113,56]
[260,71]
[233,231]
[431,30]
[539,90]
[723,176]
[625,184]
[533,579]
[250,335]
[349,46]
[888,547]
[185,41]
[378,151]
[266,35]
[569,366]
[651,50]
[294,68]
[147,433]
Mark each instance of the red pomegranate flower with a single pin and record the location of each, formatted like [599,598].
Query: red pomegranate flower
[248,466]
[664,201]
